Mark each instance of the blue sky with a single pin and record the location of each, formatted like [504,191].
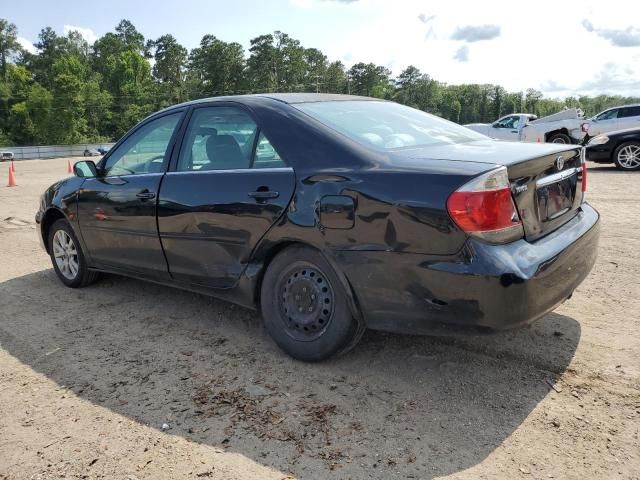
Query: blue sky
[584,47]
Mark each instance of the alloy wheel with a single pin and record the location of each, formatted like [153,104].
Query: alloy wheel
[629,157]
[65,254]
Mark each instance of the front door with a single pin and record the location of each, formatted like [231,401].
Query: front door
[605,122]
[117,209]
[226,189]
[507,128]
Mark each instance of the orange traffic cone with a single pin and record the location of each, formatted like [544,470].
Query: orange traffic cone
[13,167]
[12,179]
[69,169]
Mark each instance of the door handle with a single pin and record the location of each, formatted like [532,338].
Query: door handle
[264,194]
[145,195]
[514,131]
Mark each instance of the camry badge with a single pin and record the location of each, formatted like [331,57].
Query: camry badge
[559,162]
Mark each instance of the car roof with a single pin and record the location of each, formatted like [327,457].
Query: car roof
[621,106]
[288,98]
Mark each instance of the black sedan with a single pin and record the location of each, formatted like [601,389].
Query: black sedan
[621,148]
[331,214]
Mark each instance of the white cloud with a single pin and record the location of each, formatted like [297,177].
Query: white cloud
[628,37]
[476,33]
[88,34]
[561,54]
[27,45]
[462,54]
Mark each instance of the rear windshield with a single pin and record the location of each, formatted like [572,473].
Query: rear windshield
[387,125]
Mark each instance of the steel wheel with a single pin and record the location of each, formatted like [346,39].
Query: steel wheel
[306,303]
[305,306]
[65,254]
[628,156]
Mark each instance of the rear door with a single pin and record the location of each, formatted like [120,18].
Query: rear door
[629,117]
[227,185]
[117,209]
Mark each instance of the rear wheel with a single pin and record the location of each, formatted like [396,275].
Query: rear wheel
[627,156]
[559,138]
[305,308]
[67,257]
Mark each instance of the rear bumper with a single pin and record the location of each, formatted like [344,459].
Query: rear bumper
[491,286]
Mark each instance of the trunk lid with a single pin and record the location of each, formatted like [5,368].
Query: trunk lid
[545,178]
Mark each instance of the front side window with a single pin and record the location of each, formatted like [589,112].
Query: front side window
[387,125]
[218,138]
[509,122]
[608,115]
[144,150]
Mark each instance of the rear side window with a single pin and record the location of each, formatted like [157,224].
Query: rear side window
[266,155]
[225,138]
[629,112]
[218,138]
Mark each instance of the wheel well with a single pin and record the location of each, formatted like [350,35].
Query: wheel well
[551,134]
[268,257]
[276,249]
[51,216]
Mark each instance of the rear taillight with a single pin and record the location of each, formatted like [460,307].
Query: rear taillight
[484,208]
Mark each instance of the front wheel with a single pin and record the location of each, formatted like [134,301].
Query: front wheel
[627,156]
[305,308]
[67,257]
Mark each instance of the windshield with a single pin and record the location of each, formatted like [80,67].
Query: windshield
[387,125]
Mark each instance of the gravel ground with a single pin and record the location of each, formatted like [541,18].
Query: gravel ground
[126,379]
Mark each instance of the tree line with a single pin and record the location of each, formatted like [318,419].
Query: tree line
[73,92]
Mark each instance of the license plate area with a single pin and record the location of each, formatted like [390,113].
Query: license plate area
[556,195]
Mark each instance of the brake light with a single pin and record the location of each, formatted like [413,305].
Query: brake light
[484,208]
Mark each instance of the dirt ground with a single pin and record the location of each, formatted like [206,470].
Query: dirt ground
[88,378]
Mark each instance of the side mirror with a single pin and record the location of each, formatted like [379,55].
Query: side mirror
[85,168]
[495,125]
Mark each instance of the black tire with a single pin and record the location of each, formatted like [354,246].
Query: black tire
[304,306]
[559,138]
[627,164]
[82,276]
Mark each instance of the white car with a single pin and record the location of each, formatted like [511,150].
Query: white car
[616,118]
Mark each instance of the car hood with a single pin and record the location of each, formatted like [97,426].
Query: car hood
[481,151]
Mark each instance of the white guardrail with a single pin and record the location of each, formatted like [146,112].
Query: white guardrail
[53,151]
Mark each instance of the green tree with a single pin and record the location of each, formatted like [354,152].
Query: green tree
[316,69]
[216,68]
[169,69]
[276,63]
[364,77]
[335,79]
[69,76]
[8,45]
